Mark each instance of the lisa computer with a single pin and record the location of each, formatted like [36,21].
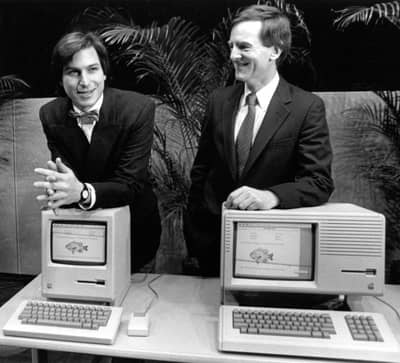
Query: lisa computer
[274,263]
[85,277]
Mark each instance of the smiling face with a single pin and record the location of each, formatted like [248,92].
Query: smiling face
[254,63]
[83,78]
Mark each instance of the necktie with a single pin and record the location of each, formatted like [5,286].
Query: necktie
[245,136]
[85,118]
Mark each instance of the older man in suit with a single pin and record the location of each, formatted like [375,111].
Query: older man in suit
[100,142]
[265,143]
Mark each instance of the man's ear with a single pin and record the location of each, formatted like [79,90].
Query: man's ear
[275,54]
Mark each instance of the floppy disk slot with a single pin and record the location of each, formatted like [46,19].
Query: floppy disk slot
[368,271]
[95,282]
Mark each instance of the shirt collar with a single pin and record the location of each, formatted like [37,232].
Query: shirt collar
[264,94]
[95,107]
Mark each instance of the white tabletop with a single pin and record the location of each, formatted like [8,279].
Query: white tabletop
[184,322]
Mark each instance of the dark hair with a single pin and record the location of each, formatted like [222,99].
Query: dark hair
[72,43]
[275,29]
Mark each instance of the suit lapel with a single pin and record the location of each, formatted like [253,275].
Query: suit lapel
[103,138]
[276,114]
[72,136]
[229,111]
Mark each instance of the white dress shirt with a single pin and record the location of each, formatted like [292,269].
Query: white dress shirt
[88,130]
[264,96]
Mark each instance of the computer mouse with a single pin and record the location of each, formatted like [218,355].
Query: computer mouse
[139,325]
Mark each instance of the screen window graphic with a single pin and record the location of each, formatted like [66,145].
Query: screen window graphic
[274,251]
[78,243]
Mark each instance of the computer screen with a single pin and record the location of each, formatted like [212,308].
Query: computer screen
[335,249]
[78,242]
[274,251]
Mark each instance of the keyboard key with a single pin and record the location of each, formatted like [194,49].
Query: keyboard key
[292,333]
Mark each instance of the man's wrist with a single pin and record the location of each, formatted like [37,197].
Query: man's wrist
[272,199]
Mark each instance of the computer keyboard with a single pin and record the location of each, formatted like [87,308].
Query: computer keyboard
[84,323]
[311,333]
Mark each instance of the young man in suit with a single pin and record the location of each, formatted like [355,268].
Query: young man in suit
[265,143]
[100,142]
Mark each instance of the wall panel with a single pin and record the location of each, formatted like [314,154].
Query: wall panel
[30,152]
[8,246]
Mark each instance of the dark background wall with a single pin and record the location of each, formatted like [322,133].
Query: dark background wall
[360,58]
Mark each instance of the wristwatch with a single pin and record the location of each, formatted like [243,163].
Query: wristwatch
[84,194]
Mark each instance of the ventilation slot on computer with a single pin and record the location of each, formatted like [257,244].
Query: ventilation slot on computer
[353,239]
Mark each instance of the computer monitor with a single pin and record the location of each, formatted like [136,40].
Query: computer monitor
[335,249]
[86,254]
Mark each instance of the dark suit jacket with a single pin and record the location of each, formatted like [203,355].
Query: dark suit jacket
[291,154]
[116,160]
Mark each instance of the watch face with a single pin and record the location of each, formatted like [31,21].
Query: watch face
[85,193]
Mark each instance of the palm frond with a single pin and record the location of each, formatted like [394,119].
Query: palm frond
[170,174]
[220,68]
[95,18]
[301,35]
[392,100]
[12,86]
[389,11]
[175,57]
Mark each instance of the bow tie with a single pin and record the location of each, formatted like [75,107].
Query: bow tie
[85,118]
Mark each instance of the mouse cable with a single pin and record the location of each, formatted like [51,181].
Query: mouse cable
[155,293]
[141,280]
[389,305]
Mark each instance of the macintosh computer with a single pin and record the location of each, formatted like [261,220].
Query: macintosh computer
[85,276]
[86,254]
[274,262]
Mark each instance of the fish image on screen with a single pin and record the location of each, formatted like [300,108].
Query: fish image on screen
[76,246]
[262,255]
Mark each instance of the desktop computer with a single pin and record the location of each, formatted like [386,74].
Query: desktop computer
[85,277]
[271,260]
[86,254]
[336,248]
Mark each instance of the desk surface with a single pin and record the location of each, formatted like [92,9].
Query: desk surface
[184,322]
